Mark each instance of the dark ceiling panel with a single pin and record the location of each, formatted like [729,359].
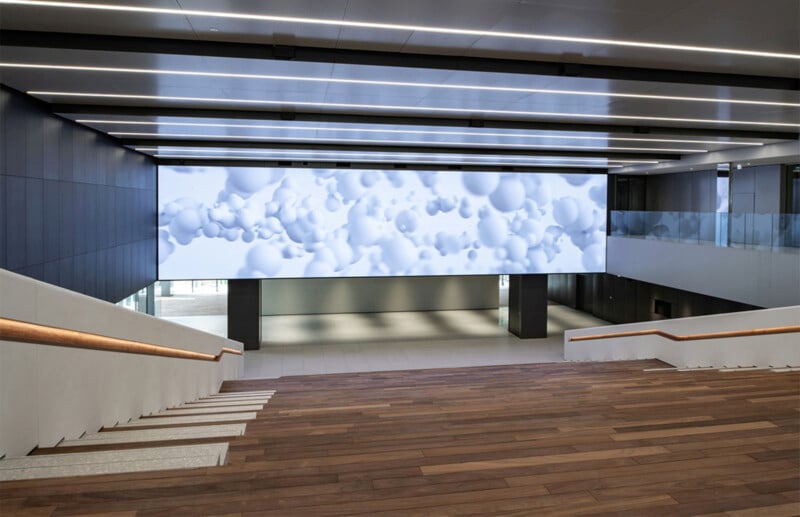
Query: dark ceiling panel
[564,68]
[485,122]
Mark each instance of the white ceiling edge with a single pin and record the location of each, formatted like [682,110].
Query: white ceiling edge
[782,152]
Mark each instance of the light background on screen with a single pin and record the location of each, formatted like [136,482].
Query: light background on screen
[218,222]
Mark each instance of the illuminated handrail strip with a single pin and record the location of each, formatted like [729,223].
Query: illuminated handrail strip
[692,337]
[25,332]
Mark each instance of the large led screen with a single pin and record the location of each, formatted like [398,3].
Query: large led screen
[243,222]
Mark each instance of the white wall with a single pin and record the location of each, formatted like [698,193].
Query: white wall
[763,351]
[757,277]
[49,393]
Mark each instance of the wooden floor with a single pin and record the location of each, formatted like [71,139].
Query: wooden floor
[544,439]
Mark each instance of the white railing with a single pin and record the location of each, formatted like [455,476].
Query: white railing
[49,393]
[763,338]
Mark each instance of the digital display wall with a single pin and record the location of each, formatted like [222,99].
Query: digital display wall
[243,222]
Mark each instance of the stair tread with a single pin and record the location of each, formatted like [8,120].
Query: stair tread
[244,393]
[151,435]
[113,462]
[178,411]
[258,398]
[188,419]
[222,404]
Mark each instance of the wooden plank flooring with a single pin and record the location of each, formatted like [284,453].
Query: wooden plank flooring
[544,439]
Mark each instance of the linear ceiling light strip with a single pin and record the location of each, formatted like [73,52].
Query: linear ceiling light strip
[407,28]
[404,142]
[370,154]
[390,107]
[256,158]
[406,84]
[415,132]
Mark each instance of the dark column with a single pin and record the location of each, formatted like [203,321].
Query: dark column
[527,305]
[244,312]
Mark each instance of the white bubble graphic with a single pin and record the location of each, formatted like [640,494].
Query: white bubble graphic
[493,231]
[479,183]
[399,254]
[265,259]
[263,222]
[508,196]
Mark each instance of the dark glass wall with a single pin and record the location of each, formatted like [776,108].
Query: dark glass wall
[623,300]
[76,209]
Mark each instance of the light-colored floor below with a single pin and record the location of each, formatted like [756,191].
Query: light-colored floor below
[339,343]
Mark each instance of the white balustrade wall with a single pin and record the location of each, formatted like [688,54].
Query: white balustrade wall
[50,393]
[778,350]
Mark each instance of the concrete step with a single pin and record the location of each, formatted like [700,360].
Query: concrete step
[113,462]
[156,435]
[188,419]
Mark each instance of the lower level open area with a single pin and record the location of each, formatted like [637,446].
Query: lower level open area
[622,438]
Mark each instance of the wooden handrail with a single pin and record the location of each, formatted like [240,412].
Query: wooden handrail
[25,332]
[692,337]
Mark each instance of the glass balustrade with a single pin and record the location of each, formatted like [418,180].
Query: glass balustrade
[773,231]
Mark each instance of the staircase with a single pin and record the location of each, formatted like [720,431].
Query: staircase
[131,446]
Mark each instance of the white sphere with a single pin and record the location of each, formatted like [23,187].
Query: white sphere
[517,248]
[249,180]
[399,254]
[211,230]
[594,258]
[479,183]
[265,259]
[407,221]
[317,269]
[509,195]
[350,187]
[566,211]
[493,231]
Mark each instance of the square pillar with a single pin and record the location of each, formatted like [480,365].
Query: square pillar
[244,312]
[527,305]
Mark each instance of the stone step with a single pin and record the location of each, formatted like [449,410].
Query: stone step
[113,462]
[157,435]
[188,419]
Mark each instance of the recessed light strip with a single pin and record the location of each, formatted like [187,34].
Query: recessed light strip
[505,89]
[337,154]
[268,139]
[254,158]
[391,107]
[405,27]
[416,132]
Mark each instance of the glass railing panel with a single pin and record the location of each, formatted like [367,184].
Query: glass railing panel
[721,229]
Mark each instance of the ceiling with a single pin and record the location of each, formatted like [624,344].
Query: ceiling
[618,85]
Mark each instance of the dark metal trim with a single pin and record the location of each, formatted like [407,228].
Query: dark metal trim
[316,146]
[373,166]
[464,122]
[383,58]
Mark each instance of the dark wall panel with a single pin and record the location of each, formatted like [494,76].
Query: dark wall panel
[76,209]
[624,300]
[684,192]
